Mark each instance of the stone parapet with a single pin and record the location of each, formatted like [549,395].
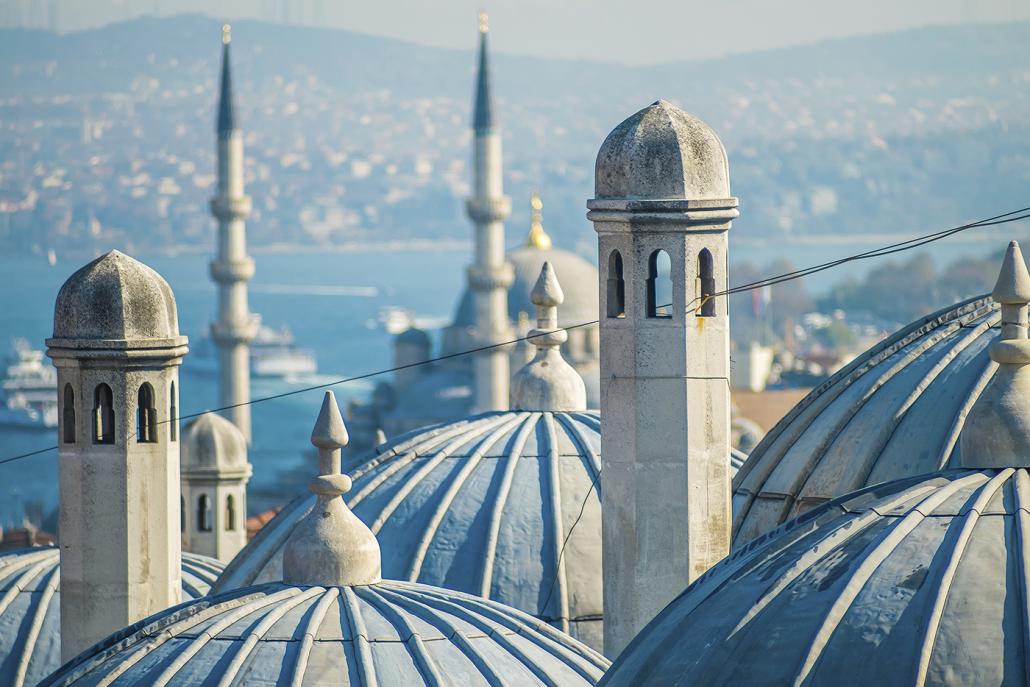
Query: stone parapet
[487,210]
[489,278]
[232,271]
[228,209]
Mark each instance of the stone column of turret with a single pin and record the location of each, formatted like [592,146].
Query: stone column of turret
[490,275]
[662,213]
[117,348]
[232,268]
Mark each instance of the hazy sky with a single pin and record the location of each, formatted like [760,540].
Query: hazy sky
[635,31]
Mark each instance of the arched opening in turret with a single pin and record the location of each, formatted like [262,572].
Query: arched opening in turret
[204,513]
[230,513]
[706,283]
[146,415]
[103,415]
[616,286]
[173,416]
[68,415]
[659,285]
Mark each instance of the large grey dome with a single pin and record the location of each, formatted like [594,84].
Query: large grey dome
[482,505]
[115,297]
[30,621]
[662,153]
[895,411]
[921,581]
[390,634]
[579,280]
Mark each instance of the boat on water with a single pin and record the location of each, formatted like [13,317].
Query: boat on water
[28,390]
[273,354]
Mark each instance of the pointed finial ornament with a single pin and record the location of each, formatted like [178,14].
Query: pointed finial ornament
[484,22]
[537,238]
[380,437]
[548,382]
[331,546]
[996,433]
[226,34]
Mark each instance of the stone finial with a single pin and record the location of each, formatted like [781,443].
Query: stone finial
[996,433]
[331,546]
[226,34]
[548,382]
[380,439]
[537,238]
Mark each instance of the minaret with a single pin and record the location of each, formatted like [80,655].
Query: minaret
[117,350]
[490,274]
[215,472]
[233,268]
[662,213]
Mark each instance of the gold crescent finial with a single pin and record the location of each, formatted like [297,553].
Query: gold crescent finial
[226,34]
[537,238]
[484,22]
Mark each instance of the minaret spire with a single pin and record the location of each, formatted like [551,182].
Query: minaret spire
[232,268]
[490,274]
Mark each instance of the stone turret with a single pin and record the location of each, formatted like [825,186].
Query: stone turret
[232,268]
[117,349]
[662,213]
[490,274]
[215,472]
[548,382]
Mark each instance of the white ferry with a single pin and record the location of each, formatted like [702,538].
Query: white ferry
[29,390]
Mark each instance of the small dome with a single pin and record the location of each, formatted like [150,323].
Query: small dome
[896,411]
[30,608]
[211,442]
[662,153]
[390,634]
[918,581]
[115,298]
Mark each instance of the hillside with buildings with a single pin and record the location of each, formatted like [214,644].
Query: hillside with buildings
[107,134]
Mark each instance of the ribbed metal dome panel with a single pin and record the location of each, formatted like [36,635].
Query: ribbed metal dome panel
[390,634]
[30,621]
[483,506]
[895,411]
[923,580]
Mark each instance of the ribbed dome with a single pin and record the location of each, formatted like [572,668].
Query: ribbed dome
[30,622]
[115,297]
[389,634]
[662,153]
[895,411]
[212,443]
[482,506]
[579,279]
[919,581]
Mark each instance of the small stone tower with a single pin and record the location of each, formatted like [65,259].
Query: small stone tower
[215,471]
[233,268]
[117,349]
[489,275]
[662,212]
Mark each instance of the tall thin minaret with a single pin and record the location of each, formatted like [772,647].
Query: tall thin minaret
[117,349]
[233,268]
[662,213]
[489,275]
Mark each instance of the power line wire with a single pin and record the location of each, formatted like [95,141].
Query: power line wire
[1005,218]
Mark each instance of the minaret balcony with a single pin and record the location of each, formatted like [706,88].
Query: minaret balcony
[232,271]
[486,210]
[227,209]
[488,278]
[234,333]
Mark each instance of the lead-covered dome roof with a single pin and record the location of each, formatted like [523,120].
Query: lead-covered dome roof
[115,298]
[390,634]
[211,443]
[918,581]
[482,505]
[30,609]
[896,410]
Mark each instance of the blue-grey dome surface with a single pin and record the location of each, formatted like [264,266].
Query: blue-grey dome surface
[920,581]
[482,505]
[30,621]
[895,411]
[390,634]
